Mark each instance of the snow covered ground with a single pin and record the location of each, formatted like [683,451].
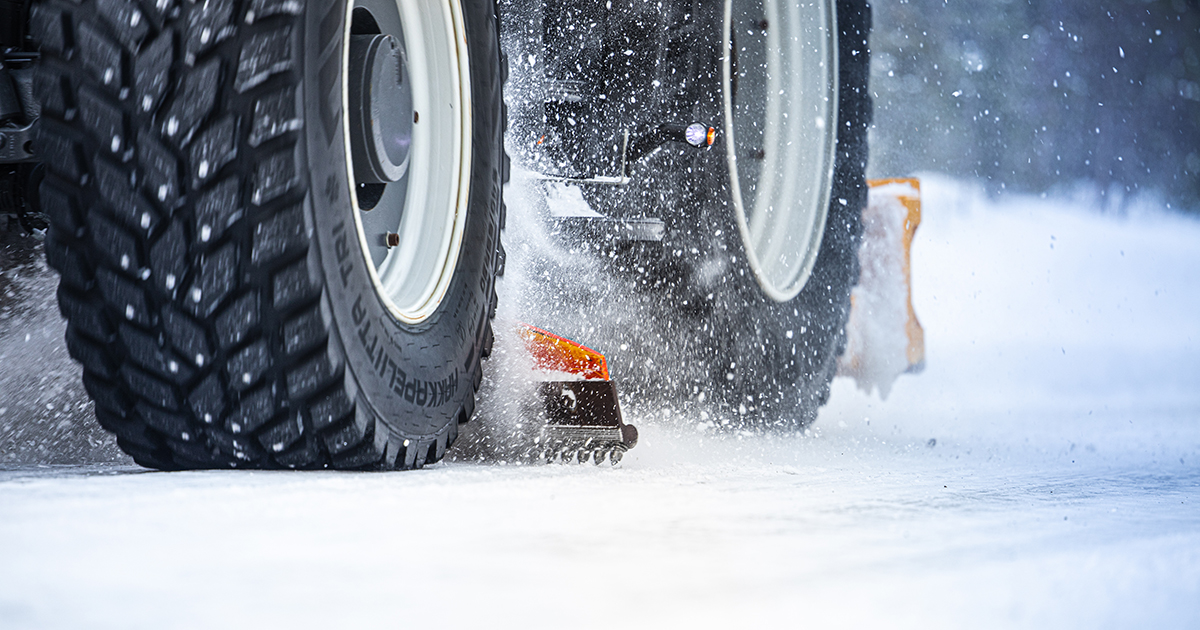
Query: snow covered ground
[1044,471]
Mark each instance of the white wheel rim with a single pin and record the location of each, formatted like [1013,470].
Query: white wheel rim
[786,107]
[414,277]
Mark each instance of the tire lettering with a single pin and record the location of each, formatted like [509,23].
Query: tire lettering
[331,195]
[415,391]
[342,249]
[381,362]
[435,393]
[371,347]
[399,380]
[489,245]
[331,24]
[331,105]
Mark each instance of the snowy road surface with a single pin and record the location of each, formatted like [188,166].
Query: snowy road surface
[1044,471]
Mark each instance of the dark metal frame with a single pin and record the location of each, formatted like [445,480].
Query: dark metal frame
[20,172]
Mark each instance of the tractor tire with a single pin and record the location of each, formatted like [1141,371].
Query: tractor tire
[687,318]
[231,304]
[775,356]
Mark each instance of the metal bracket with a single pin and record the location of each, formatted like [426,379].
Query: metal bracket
[15,144]
[603,180]
[17,106]
[696,135]
[614,230]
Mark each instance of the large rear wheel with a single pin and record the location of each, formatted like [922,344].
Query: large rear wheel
[742,304]
[277,223]
[795,112]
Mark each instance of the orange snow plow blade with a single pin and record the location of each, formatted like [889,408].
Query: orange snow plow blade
[883,336]
[582,414]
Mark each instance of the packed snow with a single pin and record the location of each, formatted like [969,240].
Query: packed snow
[1043,471]
[884,338]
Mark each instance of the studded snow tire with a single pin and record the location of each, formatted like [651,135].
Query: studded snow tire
[199,220]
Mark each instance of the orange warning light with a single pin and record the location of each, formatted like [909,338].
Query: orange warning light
[553,353]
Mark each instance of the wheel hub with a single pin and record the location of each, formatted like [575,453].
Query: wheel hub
[381,111]
[403,58]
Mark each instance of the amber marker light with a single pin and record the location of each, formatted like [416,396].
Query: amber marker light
[553,353]
[712,135]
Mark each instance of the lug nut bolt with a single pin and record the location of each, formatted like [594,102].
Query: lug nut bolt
[391,239]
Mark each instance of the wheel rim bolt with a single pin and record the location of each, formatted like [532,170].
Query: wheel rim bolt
[391,239]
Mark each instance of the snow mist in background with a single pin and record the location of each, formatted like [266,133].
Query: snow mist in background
[1049,328]
[1041,96]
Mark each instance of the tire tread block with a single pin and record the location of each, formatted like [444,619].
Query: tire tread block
[248,365]
[193,102]
[217,209]
[100,55]
[126,20]
[215,278]
[89,353]
[236,321]
[279,436]
[124,296]
[148,388]
[207,401]
[282,234]
[253,411]
[274,115]
[145,352]
[314,374]
[187,336]
[263,55]
[168,260]
[118,245]
[212,150]
[160,172]
[151,72]
[208,24]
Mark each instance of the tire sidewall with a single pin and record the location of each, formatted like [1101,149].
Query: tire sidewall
[417,379]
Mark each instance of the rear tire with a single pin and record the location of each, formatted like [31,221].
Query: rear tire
[686,320]
[773,361]
[213,274]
